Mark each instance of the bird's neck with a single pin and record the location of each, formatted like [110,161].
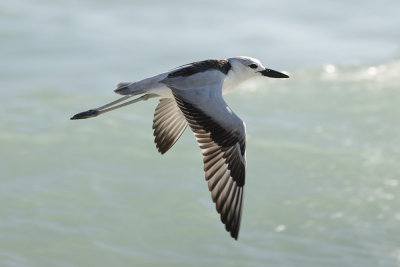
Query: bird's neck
[232,80]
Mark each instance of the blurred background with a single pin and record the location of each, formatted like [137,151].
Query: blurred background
[323,149]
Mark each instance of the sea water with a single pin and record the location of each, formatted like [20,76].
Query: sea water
[323,147]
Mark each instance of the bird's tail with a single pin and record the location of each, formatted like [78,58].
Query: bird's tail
[128,88]
[125,90]
[131,88]
[141,87]
[123,84]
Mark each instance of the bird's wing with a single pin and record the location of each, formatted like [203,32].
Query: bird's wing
[221,136]
[168,124]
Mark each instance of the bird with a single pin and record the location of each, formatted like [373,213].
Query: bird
[192,94]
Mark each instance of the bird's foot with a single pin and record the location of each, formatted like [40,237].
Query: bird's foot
[86,114]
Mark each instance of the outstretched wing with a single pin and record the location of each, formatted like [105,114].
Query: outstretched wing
[221,136]
[168,124]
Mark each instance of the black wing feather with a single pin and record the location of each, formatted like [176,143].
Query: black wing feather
[168,124]
[224,163]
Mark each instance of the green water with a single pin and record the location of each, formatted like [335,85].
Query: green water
[323,147]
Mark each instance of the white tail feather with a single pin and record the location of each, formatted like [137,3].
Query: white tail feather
[122,84]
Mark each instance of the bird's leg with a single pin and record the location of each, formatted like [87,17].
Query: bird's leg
[114,102]
[110,106]
[104,108]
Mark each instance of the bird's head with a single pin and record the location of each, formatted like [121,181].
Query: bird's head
[248,67]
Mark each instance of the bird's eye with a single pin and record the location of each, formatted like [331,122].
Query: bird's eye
[253,66]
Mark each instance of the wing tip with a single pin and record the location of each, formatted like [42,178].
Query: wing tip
[235,235]
[233,229]
[162,149]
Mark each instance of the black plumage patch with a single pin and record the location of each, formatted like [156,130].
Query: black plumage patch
[224,163]
[198,120]
[226,140]
[222,65]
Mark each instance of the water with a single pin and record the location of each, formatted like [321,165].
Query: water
[323,180]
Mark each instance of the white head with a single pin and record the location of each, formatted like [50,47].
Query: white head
[244,68]
[247,67]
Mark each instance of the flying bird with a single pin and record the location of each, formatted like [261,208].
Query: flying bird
[192,95]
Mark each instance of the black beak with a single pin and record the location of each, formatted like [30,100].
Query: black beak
[273,74]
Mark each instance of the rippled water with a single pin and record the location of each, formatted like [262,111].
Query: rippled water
[323,147]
